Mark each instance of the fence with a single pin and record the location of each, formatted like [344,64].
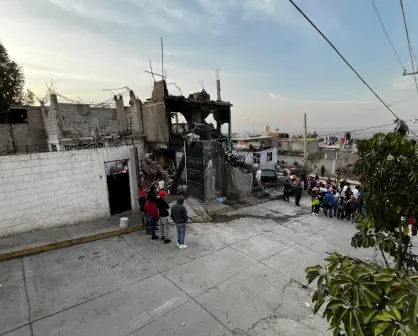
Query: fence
[42,148]
[23,149]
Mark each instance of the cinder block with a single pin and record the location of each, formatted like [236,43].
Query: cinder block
[41,183]
[12,180]
[29,178]
[66,172]
[49,175]
[52,187]
[21,193]
[37,170]
[22,171]
[6,173]
[47,162]
[60,179]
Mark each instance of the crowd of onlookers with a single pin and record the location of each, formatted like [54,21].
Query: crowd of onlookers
[336,198]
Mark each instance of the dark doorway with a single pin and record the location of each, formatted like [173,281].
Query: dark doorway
[118,186]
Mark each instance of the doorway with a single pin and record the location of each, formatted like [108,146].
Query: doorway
[118,186]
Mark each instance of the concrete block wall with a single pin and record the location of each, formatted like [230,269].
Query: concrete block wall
[46,190]
[27,135]
[156,122]
[132,121]
[79,120]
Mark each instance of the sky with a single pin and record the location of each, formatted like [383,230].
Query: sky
[274,66]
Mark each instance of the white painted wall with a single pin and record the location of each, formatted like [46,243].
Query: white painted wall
[46,190]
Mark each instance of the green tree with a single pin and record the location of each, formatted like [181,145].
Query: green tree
[12,81]
[367,298]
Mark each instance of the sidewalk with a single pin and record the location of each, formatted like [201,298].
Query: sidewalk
[40,241]
[50,239]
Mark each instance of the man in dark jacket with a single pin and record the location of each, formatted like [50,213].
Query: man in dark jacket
[179,216]
[286,190]
[163,212]
[298,194]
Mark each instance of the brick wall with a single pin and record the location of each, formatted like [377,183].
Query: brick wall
[46,190]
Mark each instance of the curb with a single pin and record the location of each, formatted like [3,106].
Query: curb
[67,243]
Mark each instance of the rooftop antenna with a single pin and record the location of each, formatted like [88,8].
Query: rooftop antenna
[162,57]
[218,86]
[202,84]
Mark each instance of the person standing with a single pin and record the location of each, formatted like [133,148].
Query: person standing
[163,212]
[356,191]
[298,194]
[179,217]
[336,195]
[329,203]
[351,207]
[142,201]
[341,207]
[315,201]
[286,190]
[152,215]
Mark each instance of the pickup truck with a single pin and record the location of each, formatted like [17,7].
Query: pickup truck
[267,177]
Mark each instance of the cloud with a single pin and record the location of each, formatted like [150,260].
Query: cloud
[275,96]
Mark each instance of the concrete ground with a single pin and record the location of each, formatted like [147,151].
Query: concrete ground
[242,274]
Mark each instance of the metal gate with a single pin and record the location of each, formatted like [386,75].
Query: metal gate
[195,170]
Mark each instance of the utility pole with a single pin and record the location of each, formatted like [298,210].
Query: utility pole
[304,142]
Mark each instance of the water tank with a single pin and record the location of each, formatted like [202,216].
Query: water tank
[266,129]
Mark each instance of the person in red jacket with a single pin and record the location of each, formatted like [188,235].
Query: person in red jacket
[153,217]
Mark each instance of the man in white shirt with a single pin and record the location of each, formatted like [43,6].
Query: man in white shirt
[355,192]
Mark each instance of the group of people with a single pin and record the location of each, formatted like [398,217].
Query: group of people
[155,209]
[337,199]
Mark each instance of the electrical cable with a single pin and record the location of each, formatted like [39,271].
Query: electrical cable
[387,35]
[342,57]
[349,65]
[409,44]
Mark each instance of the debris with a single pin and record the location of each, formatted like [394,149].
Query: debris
[220,200]
[183,323]
[307,304]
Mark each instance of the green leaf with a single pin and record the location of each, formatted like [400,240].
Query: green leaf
[413,310]
[318,305]
[390,331]
[317,268]
[379,328]
[348,323]
[367,314]
[396,313]
[384,277]
[334,304]
[382,316]
[398,209]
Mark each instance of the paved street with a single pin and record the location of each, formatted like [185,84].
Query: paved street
[242,274]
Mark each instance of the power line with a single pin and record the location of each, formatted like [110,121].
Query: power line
[409,44]
[343,58]
[387,36]
[336,98]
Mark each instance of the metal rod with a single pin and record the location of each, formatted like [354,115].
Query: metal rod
[162,58]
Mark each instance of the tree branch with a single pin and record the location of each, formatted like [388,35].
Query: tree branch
[384,258]
[399,259]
